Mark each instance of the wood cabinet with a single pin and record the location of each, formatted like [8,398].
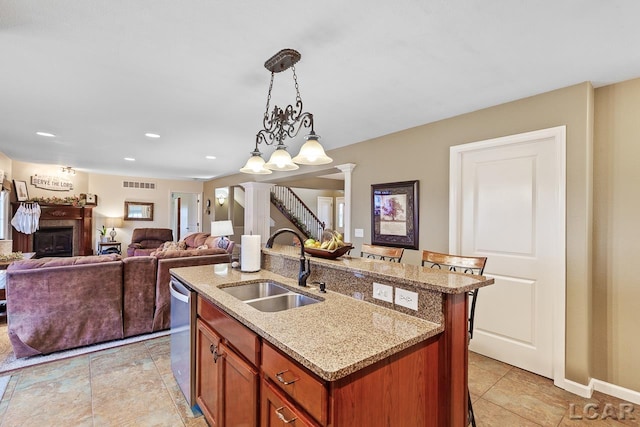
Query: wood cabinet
[402,389]
[226,383]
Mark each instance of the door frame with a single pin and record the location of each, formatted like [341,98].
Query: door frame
[173,215]
[558,134]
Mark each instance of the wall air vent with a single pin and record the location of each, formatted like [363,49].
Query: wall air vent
[141,185]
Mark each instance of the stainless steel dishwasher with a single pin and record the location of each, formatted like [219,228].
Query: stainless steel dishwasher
[183,317]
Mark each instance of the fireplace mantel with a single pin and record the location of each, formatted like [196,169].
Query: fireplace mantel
[81,215]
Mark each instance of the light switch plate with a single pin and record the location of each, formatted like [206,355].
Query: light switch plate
[407,299]
[358,232]
[383,292]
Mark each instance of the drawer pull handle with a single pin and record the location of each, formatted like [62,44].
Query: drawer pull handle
[214,350]
[282,417]
[282,380]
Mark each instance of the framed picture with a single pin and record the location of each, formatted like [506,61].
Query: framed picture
[138,211]
[21,190]
[394,214]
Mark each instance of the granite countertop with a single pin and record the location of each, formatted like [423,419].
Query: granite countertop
[333,338]
[421,277]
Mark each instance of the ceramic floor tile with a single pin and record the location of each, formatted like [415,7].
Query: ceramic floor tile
[481,380]
[488,364]
[160,351]
[186,413]
[528,400]
[107,360]
[64,402]
[488,414]
[53,371]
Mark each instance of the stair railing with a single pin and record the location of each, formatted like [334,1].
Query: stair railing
[296,211]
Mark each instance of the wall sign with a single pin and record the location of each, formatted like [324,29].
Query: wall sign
[51,182]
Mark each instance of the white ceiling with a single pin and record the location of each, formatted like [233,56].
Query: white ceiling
[101,73]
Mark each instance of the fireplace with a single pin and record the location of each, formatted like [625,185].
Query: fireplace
[78,218]
[53,242]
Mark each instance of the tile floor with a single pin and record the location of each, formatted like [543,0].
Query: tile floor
[133,385]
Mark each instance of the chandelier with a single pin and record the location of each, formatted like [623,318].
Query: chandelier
[281,124]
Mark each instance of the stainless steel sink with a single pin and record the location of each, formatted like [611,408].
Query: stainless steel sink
[282,302]
[255,290]
[269,296]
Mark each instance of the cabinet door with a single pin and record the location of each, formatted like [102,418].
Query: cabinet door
[240,390]
[277,410]
[209,372]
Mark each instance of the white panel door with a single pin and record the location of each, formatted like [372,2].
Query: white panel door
[325,211]
[508,204]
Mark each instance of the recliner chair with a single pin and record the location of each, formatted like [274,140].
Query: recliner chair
[146,240]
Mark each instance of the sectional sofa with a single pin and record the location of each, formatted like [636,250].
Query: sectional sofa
[56,304]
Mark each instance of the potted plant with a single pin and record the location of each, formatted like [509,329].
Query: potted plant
[103,234]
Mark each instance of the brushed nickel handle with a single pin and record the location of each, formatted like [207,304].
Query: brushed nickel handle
[282,380]
[278,412]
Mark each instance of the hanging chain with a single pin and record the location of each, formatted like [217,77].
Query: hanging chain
[295,80]
[266,111]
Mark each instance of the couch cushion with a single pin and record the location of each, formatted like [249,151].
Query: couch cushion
[196,239]
[29,264]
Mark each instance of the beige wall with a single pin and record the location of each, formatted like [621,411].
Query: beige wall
[616,287]
[422,153]
[111,195]
[24,171]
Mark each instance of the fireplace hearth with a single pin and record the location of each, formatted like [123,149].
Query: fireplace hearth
[53,242]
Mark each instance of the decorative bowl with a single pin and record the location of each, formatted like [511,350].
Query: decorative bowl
[324,253]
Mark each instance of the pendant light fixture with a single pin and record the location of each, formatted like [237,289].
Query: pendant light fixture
[281,124]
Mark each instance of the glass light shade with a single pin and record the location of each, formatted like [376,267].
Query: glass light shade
[255,165]
[312,153]
[221,228]
[280,160]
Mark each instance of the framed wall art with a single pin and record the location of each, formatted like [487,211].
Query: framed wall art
[21,190]
[394,214]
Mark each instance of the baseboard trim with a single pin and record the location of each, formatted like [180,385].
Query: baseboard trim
[576,388]
[613,390]
[616,391]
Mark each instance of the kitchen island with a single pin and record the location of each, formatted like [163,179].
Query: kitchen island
[365,360]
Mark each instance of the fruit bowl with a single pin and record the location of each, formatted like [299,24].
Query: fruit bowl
[324,253]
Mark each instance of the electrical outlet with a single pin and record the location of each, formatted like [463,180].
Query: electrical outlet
[358,232]
[407,299]
[383,292]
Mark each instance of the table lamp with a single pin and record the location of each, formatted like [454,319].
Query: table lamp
[112,223]
[222,229]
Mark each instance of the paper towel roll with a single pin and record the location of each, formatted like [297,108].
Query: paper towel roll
[250,253]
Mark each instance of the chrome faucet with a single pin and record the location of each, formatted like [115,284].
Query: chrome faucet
[304,272]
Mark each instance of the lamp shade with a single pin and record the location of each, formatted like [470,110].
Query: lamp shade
[221,228]
[280,160]
[312,153]
[113,222]
[255,165]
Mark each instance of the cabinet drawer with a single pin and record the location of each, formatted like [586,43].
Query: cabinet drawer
[235,333]
[307,391]
[277,410]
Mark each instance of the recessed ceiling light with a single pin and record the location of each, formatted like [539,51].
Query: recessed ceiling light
[130,159]
[47,134]
[151,135]
[210,157]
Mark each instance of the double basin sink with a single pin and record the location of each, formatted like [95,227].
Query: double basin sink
[269,296]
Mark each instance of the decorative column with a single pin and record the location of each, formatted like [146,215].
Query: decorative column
[347,168]
[257,209]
